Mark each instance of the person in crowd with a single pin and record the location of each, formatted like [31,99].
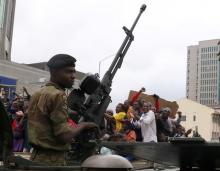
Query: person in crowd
[136,111]
[163,126]
[147,123]
[129,133]
[4,98]
[13,109]
[181,132]
[136,116]
[109,124]
[132,105]
[141,104]
[178,120]
[27,146]
[156,106]
[119,117]
[126,105]
[18,132]
[21,105]
[173,122]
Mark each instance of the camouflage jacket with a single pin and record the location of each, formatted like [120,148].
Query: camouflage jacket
[47,118]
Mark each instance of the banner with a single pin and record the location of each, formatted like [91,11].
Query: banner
[163,103]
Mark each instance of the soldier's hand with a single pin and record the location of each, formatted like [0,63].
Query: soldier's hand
[88,125]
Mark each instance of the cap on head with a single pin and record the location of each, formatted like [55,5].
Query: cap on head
[60,61]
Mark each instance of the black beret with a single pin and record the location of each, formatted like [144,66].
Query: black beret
[60,61]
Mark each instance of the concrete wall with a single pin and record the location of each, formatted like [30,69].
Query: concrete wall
[26,76]
[30,77]
[202,115]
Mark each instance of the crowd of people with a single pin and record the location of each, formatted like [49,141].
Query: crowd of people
[139,120]
[134,120]
[17,112]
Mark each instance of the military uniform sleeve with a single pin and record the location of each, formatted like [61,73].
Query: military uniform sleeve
[58,116]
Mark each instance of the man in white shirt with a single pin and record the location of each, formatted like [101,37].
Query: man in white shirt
[147,123]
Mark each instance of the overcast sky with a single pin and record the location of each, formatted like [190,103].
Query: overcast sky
[90,30]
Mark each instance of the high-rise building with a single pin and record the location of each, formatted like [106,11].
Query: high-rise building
[203,73]
[7,10]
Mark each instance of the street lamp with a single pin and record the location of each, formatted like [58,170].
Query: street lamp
[105,58]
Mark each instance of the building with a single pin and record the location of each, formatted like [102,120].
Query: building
[39,65]
[206,119]
[7,11]
[43,66]
[14,76]
[202,82]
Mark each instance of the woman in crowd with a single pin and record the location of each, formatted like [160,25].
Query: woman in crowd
[119,117]
[18,132]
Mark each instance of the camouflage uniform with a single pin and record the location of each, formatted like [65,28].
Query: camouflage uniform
[47,120]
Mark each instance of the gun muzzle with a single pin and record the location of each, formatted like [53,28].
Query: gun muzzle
[143,7]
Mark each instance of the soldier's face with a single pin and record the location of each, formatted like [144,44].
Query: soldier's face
[66,76]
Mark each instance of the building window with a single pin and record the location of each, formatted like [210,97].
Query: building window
[194,118]
[183,118]
[188,52]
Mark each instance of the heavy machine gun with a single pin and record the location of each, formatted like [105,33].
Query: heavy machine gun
[92,108]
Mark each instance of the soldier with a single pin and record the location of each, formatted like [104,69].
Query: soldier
[49,132]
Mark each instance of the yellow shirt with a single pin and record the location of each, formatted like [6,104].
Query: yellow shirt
[118,118]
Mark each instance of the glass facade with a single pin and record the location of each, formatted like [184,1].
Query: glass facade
[2,12]
[209,75]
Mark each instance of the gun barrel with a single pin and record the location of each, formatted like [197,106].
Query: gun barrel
[116,64]
[142,9]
